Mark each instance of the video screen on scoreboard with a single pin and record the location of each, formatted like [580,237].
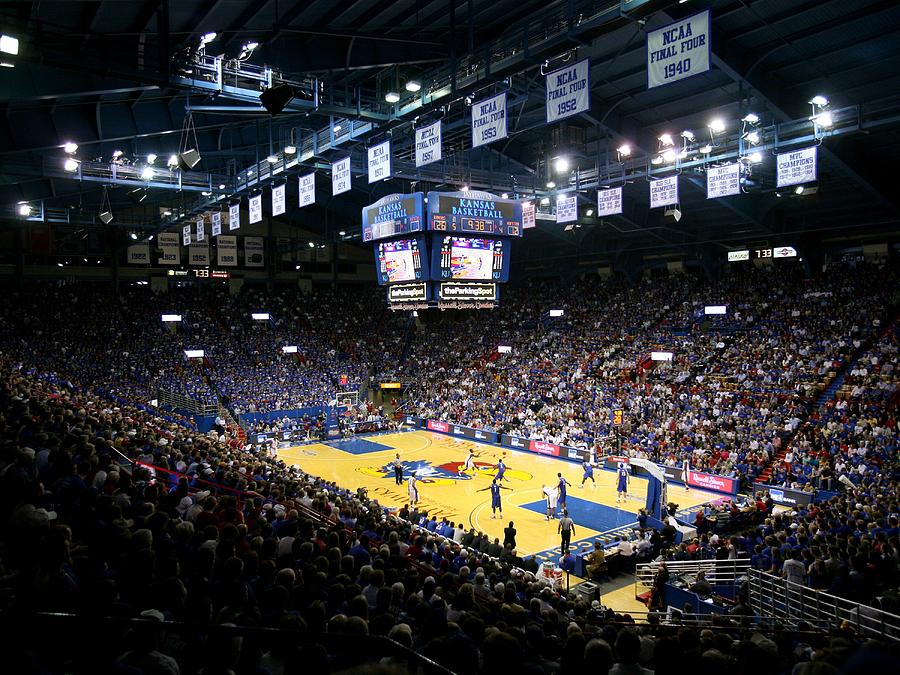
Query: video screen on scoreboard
[401,261]
[470,258]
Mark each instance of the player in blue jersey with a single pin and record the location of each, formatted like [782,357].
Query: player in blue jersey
[588,473]
[561,486]
[622,488]
[495,488]
[501,470]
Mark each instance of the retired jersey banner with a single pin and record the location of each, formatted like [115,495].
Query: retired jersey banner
[678,50]
[201,230]
[609,202]
[798,167]
[567,208]
[568,91]
[489,120]
[186,235]
[722,181]
[428,144]
[255,209]
[278,206]
[139,254]
[529,219]
[253,252]
[307,189]
[340,176]
[379,161]
[216,220]
[664,191]
[234,217]
[198,255]
[226,250]
[169,248]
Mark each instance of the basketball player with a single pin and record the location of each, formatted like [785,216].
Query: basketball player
[588,473]
[686,473]
[622,488]
[398,470]
[550,495]
[562,490]
[501,470]
[470,462]
[495,488]
[413,486]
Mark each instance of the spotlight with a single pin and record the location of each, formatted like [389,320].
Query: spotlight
[71,148]
[753,137]
[24,209]
[147,173]
[337,128]
[589,212]
[465,188]
[545,200]
[151,158]
[798,190]
[413,86]
[717,125]
[71,165]
[290,149]
[755,157]
[656,160]
[271,159]
[221,186]
[134,235]
[172,161]
[342,233]
[666,139]
[624,150]
[669,155]
[117,154]
[687,135]
[505,195]
[561,165]
[751,118]
[312,245]
[167,213]
[9,44]
[392,97]
[550,185]
[206,38]
[706,149]
[247,50]
[819,100]
[824,119]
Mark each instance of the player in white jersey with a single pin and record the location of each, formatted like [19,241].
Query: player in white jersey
[470,462]
[551,494]
[413,486]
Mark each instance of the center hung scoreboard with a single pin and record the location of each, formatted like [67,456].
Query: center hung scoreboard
[449,250]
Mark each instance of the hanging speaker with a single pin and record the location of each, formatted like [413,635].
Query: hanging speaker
[274,99]
[188,159]
[105,217]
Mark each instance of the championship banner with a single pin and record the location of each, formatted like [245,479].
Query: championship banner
[567,208]
[664,191]
[234,217]
[201,230]
[198,255]
[253,252]
[340,176]
[186,235]
[169,248]
[609,202]
[307,189]
[379,162]
[428,144]
[216,220]
[568,91]
[139,254]
[278,206]
[255,209]
[722,181]
[226,250]
[529,219]
[798,167]
[489,120]
[678,50]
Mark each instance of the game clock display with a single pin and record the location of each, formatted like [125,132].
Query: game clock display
[469,258]
[401,261]
[474,213]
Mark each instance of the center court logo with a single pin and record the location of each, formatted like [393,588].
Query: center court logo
[443,474]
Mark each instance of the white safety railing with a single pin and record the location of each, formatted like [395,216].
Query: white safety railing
[718,572]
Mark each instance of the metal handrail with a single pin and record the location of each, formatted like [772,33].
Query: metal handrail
[718,572]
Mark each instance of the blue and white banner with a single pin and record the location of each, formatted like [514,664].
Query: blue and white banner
[529,218]
[567,208]
[234,216]
[255,209]
[379,162]
[664,191]
[226,250]
[307,189]
[568,91]
[186,235]
[798,167]
[678,50]
[722,181]
[201,230]
[340,176]
[489,120]
[609,202]
[216,220]
[278,206]
[428,144]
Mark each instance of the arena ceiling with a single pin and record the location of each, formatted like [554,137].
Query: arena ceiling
[114,76]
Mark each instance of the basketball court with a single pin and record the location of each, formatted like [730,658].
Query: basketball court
[447,492]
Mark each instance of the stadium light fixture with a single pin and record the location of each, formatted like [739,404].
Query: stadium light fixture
[271,159]
[70,148]
[824,119]
[753,137]
[9,45]
[624,150]
[589,212]
[24,209]
[221,186]
[657,160]
[259,316]
[172,161]
[755,157]
[666,139]
[688,135]
[706,149]
[290,149]
[312,244]
[151,158]
[134,235]
[717,125]
[413,85]
[750,118]
[550,185]
[70,164]
[206,38]
[117,154]
[819,101]
[337,128]
[147,172]
[545,200]
[465,188]
[561,164]
[392,97]
[342,233]
[669,155]
[505,195]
